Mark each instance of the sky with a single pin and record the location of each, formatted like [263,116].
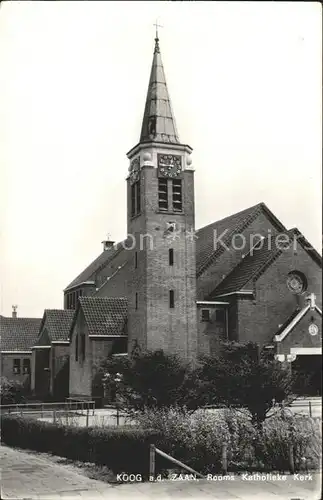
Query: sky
[246,87]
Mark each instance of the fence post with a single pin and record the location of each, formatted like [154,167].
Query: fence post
[118,415]
[87,416]
[224,458]
[152,462]
[291,458]
[54,416]
[310,408]
[21,412]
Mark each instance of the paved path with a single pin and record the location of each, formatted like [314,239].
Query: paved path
[29,476]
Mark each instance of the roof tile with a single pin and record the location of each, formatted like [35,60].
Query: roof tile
[58,323]
[18,334]
[105,315]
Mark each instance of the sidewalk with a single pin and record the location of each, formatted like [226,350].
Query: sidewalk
[30,477]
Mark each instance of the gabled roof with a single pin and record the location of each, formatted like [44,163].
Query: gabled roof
[58,324]
[289,320]
[249,267]
[256,261]
[104,315]
[307,246]
[207,252]
[18,334]
[101,261]
[292,321]
[158,122]
[110,278]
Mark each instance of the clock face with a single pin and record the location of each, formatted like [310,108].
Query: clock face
[134,170]
[313,329]
[169,165]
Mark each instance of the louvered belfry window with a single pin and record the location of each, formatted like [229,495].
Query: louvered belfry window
[177,195]
[162,194]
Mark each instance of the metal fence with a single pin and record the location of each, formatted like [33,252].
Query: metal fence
[77,413]
[84,413]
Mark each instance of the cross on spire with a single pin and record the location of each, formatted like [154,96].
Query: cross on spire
[157,26]
[311,299]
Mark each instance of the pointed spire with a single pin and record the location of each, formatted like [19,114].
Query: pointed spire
[158,122]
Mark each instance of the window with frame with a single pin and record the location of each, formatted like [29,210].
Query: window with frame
[17,366]
[162,194]
[138,198]
[171,256]
[177,195]
[205,314]
[120,345]
[171,299]
[76,348]
[26,366]
[135,198]
[82,346]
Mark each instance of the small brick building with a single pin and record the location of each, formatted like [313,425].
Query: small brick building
[242,278]
[50,355]
[17,336]
[99,329]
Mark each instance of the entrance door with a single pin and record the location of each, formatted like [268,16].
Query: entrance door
[309,368]
[42,373]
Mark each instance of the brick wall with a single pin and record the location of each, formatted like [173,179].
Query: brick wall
[80,382]
[7,366]
[259,320]
[154,324]
[210,333]
[82,373]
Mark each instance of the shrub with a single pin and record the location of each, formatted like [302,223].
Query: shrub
[279,432]
[151,379]
[244,376]
[121,450]
[197,439]
[12,391]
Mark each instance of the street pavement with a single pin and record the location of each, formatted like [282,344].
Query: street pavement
[32,476]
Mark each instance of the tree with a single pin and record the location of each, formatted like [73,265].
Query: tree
[243,376]
[11,391]
[151,379]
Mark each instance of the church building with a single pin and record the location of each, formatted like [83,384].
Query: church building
[169,286]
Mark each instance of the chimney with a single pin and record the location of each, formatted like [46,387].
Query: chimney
[107,244]
[14,311]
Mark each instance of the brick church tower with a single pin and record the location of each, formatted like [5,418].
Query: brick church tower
[161,287]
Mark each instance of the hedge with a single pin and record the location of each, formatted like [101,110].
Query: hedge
[196,440]
[122,450]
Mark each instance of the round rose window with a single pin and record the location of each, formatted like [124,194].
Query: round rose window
[296,282]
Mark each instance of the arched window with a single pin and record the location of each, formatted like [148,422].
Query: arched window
[296,282]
